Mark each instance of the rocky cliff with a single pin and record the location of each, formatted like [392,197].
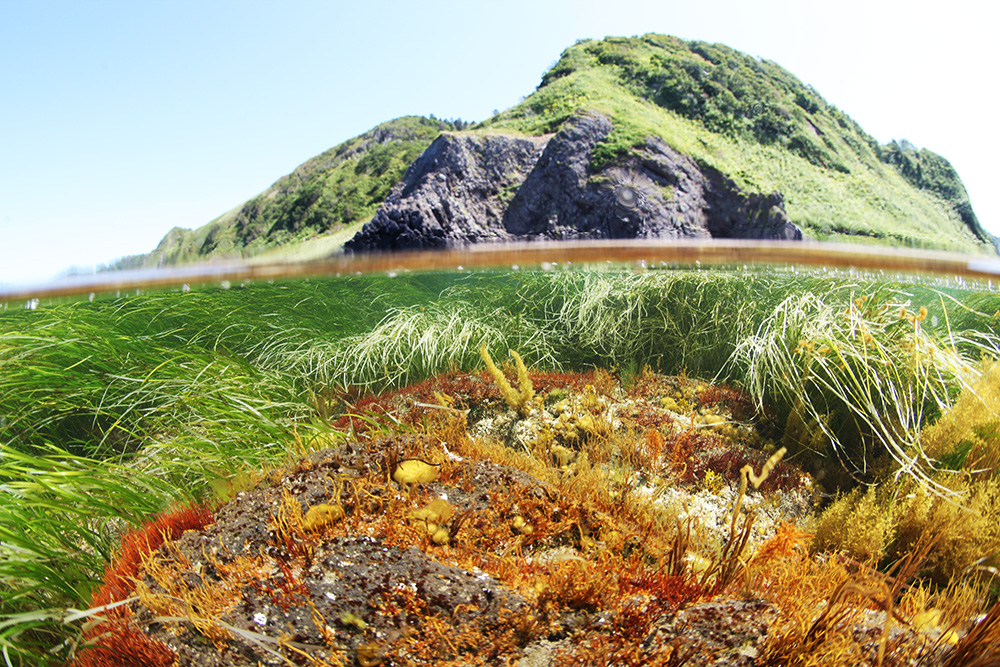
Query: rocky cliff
[456,192]
[471,188]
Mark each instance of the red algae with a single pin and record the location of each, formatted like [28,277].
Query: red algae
[113,640]
[120,644]
[138,544]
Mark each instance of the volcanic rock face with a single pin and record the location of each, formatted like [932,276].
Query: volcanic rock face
[453,194]
[469,188]
[558,200]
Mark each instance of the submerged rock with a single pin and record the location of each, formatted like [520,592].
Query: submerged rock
[600,526]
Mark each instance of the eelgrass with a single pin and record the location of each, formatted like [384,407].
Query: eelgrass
[864,371]
[680,320]
[414,343]
[111,411]
[103,378]
[60,519]
[105,394]
[675,321]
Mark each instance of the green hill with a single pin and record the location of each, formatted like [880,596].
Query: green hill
[335,191]
[748,118]
[761,126]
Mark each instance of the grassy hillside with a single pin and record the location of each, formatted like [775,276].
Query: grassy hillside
[746,117]
[338,189]
[757,123]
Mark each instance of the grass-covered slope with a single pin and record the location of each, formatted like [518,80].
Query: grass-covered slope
[748,118]
[336,190]
[760,125]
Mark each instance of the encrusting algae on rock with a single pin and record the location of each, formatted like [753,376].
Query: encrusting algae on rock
[485,534]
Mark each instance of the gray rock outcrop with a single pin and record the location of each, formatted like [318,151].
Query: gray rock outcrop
[468,188]
[455,193]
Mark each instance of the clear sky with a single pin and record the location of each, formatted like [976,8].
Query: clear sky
[122,119]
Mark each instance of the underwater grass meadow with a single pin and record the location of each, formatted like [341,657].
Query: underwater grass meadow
[114,410]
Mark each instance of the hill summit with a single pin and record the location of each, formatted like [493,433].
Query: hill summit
[637,137]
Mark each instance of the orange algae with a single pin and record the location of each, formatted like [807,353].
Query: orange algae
[113,640]
[138,544]
[570,547]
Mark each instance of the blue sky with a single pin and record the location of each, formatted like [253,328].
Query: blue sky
[121,120]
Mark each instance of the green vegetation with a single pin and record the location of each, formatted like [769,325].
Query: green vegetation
[929,171]
[758,124]
[747,117]
[339,188]
[884,522]
[416,342]
[866,373]
[113,410]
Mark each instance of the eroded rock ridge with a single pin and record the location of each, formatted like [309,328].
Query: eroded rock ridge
[473,188]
